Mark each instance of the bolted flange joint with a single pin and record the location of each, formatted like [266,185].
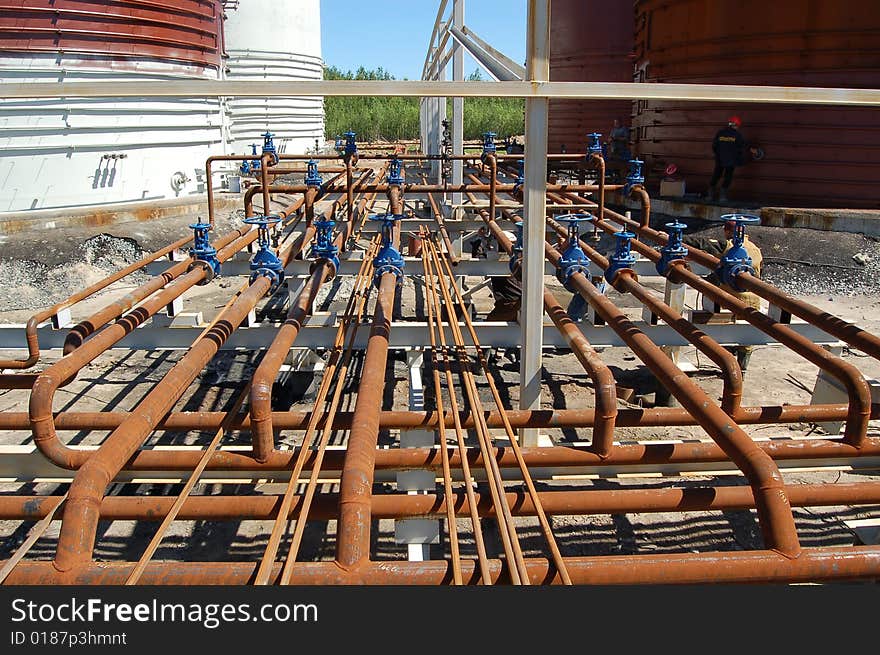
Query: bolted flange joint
[269,146]
[323,248]
[623,258]
[736,260]
[388,259]
[634,177]
[489,147]
[350,144]
[313,177]
[395,175]
[203,251]
[250,166]
[265,262]
[574,259]
[594,146]
[674,248]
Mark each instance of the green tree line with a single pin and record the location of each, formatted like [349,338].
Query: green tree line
[390,118]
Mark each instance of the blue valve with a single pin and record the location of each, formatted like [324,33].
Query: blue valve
[674,248]
[516,256]
[203,251]
[350,144]
[520,176]
[313,177]
[339,145]
[594,147]
[269,146]
[265,263]
[574,259]
[394,172]
[247,167]
[489,147]
[388,259]
[323,249]
[634,176]
[622,257]
[736,260]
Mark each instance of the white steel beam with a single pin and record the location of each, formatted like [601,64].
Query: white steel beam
[531,315]
[457,102]
[506,61]
[318,332]
[725,93]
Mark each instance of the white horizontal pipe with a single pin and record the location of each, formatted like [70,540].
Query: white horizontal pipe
[594,90]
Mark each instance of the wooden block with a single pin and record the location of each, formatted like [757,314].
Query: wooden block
[712,318]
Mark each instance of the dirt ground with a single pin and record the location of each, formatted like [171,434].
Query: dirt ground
[39,269]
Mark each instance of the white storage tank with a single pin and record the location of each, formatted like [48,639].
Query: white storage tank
[91,151]
[274,40]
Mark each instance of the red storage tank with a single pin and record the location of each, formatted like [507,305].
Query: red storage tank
[817,156]
[590,41]
[171,30]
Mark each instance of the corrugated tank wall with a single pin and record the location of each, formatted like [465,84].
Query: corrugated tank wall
[591,41]
[819,156]
[274,41]
[61,152]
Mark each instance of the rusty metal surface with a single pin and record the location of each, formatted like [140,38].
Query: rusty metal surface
[186,31]
[814,156]
[591,42]
[473,483]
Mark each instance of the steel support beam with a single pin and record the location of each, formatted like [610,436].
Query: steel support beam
[531,314]
[457,102]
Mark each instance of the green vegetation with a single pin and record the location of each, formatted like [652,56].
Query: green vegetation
[378,118]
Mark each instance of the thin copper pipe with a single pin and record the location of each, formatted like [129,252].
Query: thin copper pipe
[451,525]
[172,513]
[506,527]
[511,435]
[602,377]
[441,224]
[351,325]
[433,301]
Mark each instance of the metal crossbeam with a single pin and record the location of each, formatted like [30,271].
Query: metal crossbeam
[157,335]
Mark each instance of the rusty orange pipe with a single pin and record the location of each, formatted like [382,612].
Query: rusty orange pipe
[399,506]
[43,393]
[813,565]
[777,522]
[356,485]
[80,522]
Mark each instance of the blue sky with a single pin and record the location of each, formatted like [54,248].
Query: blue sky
[394,35]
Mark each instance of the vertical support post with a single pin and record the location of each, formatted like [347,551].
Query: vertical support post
[457,105]
[531,314]
[417,534]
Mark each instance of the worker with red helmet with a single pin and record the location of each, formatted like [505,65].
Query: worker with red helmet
[729,148]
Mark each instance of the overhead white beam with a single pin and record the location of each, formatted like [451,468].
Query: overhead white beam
[525,89]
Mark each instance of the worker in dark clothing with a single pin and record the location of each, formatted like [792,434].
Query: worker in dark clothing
[729,148]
